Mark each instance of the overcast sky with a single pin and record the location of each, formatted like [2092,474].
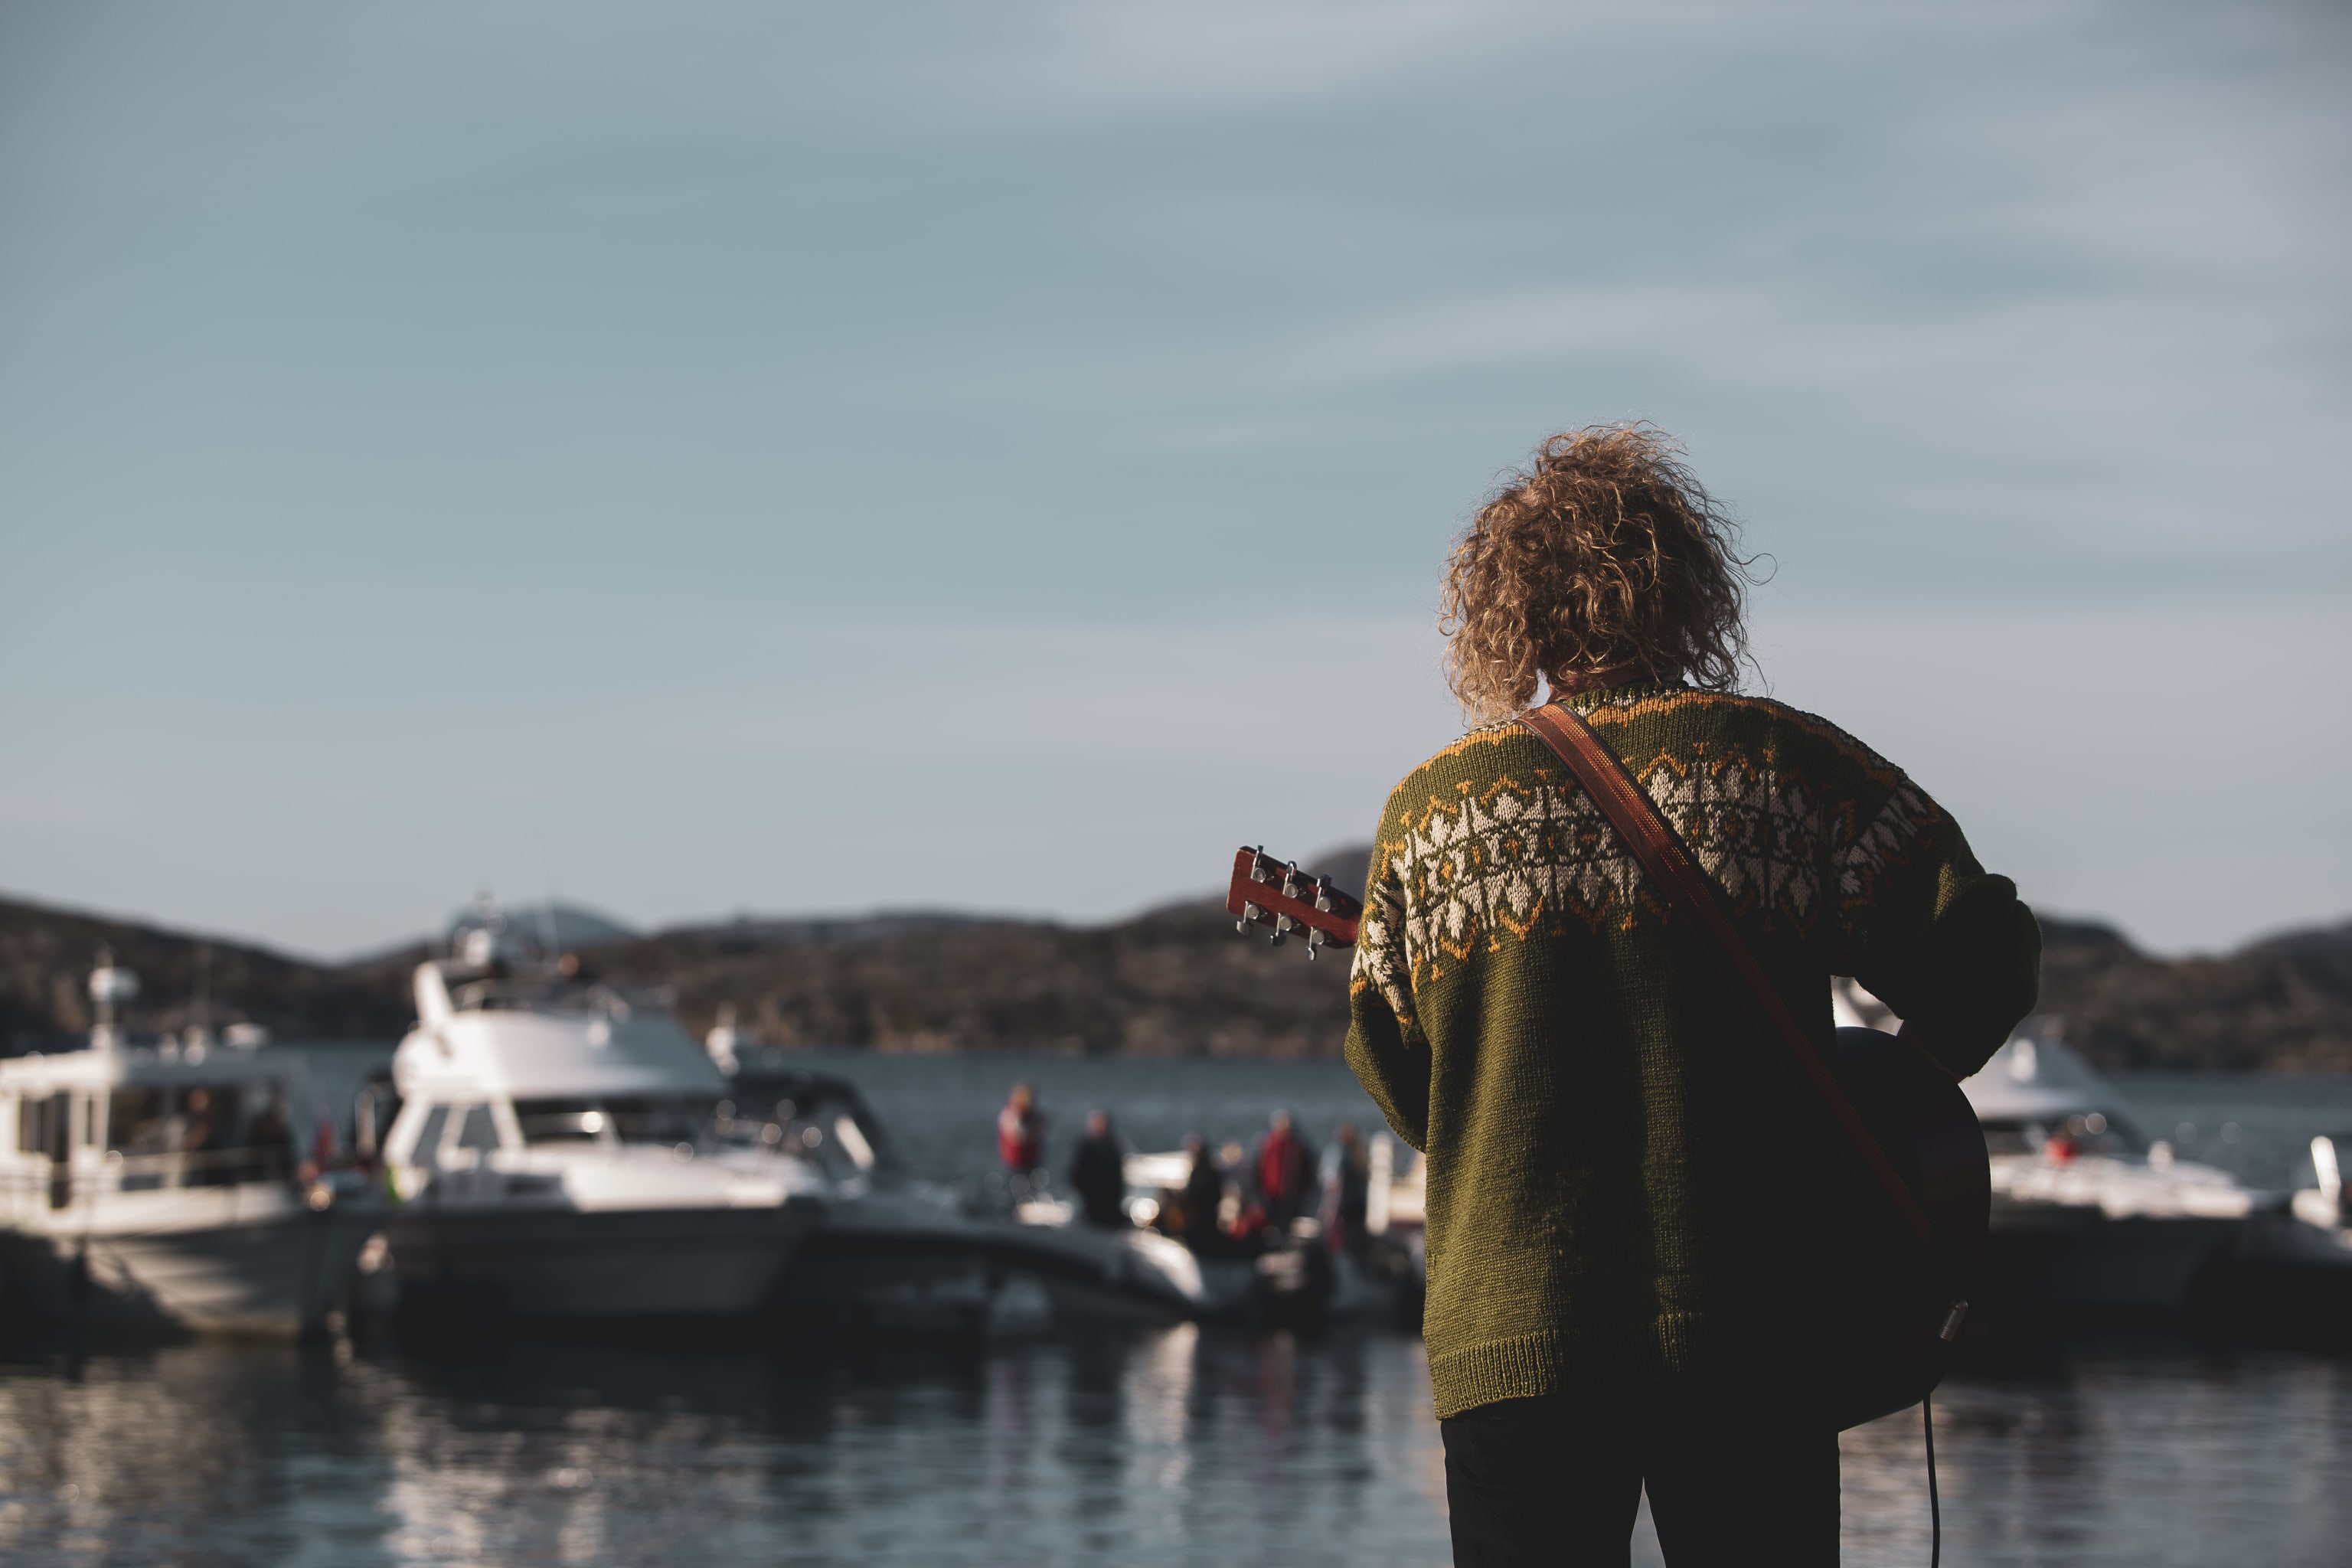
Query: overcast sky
[708,457]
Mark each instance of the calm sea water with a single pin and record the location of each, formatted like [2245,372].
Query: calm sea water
[1179,1445]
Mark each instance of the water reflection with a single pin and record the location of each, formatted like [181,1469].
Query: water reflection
[1180,1446]
[1174,1446]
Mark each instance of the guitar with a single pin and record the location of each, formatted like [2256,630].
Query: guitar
[1287,899]
[1928,1131]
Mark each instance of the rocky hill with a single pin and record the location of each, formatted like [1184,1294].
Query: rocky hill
[2284,1004]
[1176,980]
[46,957]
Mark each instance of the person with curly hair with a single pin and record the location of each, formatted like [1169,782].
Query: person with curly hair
[1636,1227]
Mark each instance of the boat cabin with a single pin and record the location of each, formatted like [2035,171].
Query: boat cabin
[500,1062]
[126,1119]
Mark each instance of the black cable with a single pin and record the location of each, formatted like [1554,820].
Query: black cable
[1935,1504]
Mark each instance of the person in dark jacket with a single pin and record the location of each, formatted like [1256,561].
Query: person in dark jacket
[1204,1194]
[1099,1172]
[1347,1186]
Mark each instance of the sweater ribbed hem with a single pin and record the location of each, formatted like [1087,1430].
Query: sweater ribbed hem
[1526,1366]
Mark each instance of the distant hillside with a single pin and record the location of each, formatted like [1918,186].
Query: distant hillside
[1176,980]
[2283,1005]
[45,956]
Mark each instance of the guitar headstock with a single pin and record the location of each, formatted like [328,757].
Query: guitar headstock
[1287,899]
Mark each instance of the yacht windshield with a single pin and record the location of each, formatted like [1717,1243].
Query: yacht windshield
[812,1117]
[668,1120]
[549,992]
[2091,1132]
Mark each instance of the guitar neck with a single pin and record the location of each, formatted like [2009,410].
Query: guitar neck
[1287,899]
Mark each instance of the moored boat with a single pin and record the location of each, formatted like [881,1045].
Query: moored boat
[162,1187]
[1298,1275]
[562,1154]
[2088,1213]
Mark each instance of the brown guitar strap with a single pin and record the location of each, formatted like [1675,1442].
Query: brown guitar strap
[1685,890]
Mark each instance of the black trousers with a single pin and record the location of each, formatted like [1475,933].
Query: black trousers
[1735,1476]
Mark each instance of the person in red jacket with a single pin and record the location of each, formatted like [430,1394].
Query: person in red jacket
[1286,1172]
[1021,1139]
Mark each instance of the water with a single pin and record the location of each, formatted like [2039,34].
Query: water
[1179,1445]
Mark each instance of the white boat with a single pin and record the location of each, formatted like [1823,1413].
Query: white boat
[159,1186]
[2088,1213]
[1131,1270]
[561,1154]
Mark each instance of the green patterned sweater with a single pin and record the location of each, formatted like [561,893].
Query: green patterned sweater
[1624,1184]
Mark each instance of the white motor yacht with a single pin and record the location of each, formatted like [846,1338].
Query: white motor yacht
[2088,1213]
[561,1155]
[161,1187]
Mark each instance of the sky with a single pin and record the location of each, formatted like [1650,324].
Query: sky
[711,457]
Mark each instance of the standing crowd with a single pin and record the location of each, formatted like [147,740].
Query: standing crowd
[1232,1199]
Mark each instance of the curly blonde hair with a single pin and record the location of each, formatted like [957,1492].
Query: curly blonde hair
[1606,552]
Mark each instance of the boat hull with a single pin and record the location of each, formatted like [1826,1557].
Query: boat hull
[1139,1276]
[596,1265]
[893,1260]
[2288,1282]
[895,1278]
[2067,1259]
[271,1275]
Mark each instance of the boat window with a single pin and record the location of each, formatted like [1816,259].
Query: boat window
[560,1120]
[135,1129]
[479,1129]
[45,1126]
[428,1138]
[662,1120]
[200,1135]
[666,1120]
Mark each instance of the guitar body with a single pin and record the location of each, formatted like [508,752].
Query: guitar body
[1896,1355]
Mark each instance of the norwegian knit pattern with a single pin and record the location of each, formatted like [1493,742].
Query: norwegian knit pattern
[1592,1110]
